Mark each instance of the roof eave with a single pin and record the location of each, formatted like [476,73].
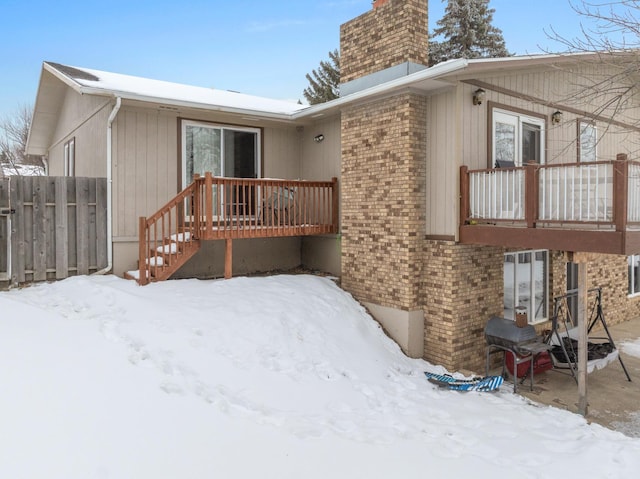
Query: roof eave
[433,73]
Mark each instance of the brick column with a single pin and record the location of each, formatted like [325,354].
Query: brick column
[383,201]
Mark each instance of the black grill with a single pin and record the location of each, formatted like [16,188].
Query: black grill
[504,333]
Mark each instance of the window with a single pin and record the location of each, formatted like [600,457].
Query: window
[70,157]
[526,284]
[222,151]
[587,140]
[634,274]
[517,138]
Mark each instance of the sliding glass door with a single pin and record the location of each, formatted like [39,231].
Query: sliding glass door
[223,151]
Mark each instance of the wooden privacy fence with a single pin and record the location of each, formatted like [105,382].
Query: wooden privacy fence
[51,227]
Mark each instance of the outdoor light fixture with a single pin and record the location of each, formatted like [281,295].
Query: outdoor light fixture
[478,96]
[556,117]
[318,138]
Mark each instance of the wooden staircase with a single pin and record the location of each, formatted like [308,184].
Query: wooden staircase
[213,208]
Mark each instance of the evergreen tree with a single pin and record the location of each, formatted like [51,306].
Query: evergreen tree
[324,83]
[467,33]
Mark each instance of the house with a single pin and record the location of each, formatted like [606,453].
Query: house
[464,188]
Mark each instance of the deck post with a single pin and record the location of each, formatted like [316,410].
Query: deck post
[620,191]
[228,258]
[583,321]
[196,203]
[208,203]
[142,255]
[464,194]
[531,195]
[335,198]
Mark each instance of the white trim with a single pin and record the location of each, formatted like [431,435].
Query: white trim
[222,127]
[531,317]
[517,120]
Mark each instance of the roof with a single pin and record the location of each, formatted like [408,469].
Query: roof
[96,82]
[56,77]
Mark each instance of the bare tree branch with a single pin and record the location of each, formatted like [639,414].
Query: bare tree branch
[14,131]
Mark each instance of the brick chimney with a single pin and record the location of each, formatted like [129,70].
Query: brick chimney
[384,168]
[394,33]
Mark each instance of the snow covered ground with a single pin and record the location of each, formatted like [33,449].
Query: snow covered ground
[632,348]
[276,377]
[23,170]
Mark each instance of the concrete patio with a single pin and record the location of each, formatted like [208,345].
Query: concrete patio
[613,401]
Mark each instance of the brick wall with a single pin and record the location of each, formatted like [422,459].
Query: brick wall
[393,33]
[383,207]
[609,272]
[463,288]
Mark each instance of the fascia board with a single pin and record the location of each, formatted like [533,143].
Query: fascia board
[432,73]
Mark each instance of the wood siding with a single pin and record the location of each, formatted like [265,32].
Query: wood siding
[145,166]
[83,117]
[321,160]
[443,157]
[459,132]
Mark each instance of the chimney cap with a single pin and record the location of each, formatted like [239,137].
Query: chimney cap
[379,3]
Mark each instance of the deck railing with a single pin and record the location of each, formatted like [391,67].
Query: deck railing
[230,208]
[249,208]
[599,193]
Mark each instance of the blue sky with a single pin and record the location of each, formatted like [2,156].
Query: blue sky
[263,47]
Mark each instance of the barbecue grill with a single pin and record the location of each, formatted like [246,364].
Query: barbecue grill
[524,344]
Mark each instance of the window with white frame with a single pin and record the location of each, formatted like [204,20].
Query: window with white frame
[70,157]
[587,141]
[634,274]
[526,284]
[517,138]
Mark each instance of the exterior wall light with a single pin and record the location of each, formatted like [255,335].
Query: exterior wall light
[318,138]
[556,117]
[479,96]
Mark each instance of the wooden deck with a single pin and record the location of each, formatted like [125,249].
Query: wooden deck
[214,208]
[582,207]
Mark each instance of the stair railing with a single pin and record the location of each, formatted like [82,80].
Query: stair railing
[168,234]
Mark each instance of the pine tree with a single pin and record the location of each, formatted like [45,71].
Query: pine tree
[324,83]
[467,33]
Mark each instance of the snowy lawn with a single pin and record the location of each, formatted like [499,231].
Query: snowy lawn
[277,377]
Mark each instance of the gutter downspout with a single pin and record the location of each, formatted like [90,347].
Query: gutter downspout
[112,117]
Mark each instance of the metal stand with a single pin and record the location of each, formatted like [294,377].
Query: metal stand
[597,315]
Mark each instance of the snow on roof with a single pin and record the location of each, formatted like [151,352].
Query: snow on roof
[146,89]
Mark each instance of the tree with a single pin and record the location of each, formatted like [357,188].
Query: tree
[613,33]
[324,83]
[14,131]
[467,33]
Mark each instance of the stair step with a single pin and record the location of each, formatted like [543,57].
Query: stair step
[134,274]
[181,237]
[155,261]
[170,248]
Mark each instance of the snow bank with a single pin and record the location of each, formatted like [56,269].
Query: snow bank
[279,377]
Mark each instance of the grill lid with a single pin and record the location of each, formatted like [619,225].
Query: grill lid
[500,330]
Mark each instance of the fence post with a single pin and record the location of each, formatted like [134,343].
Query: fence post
[620,191]
[142,247]
[464,195]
